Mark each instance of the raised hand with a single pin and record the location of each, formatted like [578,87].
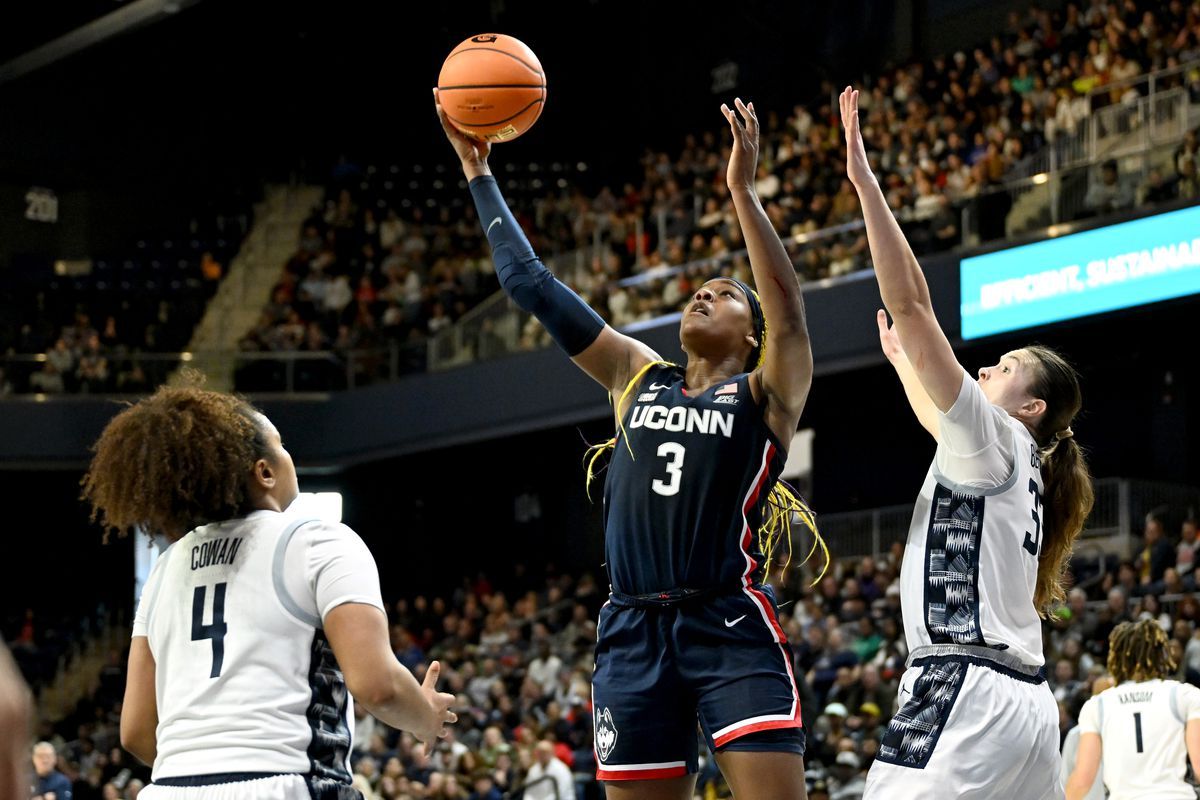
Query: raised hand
[743,160]
[858,168]
[889,342]
[440,714]
[472,152]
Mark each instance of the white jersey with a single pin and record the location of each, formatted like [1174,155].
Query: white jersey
[970,566]
[1141,727]
[1070,755]
[245,679]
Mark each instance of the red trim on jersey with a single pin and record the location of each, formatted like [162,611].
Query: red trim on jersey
[771,725]
[751,498]
[640,774]
[764,607]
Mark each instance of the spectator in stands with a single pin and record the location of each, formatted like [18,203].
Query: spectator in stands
[91,374]
[1189,184]
[485,787]
[1108,194]
[49,783]
[62,357]
[1080,615]
[1187,153]
[48,381]
[560,785]
[1155,189]
[544,669]
[847,781]
[1185,552]
[132,379]
[1157,555]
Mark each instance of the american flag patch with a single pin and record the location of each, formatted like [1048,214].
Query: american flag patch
[729,388]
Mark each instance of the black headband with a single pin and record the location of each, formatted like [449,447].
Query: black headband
[760,323]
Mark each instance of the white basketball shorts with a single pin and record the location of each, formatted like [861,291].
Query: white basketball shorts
[275,787]
[971,724]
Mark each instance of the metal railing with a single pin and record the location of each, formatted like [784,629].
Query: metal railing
[519,790]
[1133,127]
[1046,188]
[1144,84]
[496,326]
[1121,504]
[600,245]
[1053,198]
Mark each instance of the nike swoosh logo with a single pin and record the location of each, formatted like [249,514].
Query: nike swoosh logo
[492,224]
[654,387]
[729,624]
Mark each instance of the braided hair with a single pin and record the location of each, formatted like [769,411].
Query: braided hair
[1139,651]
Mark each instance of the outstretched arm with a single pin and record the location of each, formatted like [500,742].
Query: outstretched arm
[358,634]
[607,356]
[901,282]
[786,373]
[918,398]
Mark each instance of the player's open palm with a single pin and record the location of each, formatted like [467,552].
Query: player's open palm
[858,168]
[439,715]
[743,158]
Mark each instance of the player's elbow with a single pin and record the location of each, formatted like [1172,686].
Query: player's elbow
[373,690]
[908,306]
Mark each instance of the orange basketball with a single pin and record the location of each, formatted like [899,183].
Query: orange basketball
[492,87]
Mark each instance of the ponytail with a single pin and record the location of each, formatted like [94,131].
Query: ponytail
[1067,503]
[1068,494]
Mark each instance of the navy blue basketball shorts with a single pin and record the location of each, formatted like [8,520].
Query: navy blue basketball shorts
[722,660]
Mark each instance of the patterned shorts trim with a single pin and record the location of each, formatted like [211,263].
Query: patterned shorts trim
[914,732]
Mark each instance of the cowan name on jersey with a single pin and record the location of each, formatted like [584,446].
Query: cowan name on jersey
[215,553]
[246,680]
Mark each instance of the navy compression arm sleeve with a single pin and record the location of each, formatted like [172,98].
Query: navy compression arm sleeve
[569,320]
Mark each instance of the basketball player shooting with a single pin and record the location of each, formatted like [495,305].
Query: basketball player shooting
[690,630]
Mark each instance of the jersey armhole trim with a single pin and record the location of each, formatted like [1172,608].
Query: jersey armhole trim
[1099,712]
[1173,701]
[289,603]
[152,600]
[978,491]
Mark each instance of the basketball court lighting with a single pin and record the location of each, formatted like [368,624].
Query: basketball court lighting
[124,20]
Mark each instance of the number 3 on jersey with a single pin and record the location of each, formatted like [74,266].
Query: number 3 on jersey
[1032,540]
[215,631]
[674,452]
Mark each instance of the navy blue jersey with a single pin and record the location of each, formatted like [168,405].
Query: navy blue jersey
[683,511]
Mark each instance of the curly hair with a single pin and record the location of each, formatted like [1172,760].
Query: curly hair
[1139,651]
[173,461]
